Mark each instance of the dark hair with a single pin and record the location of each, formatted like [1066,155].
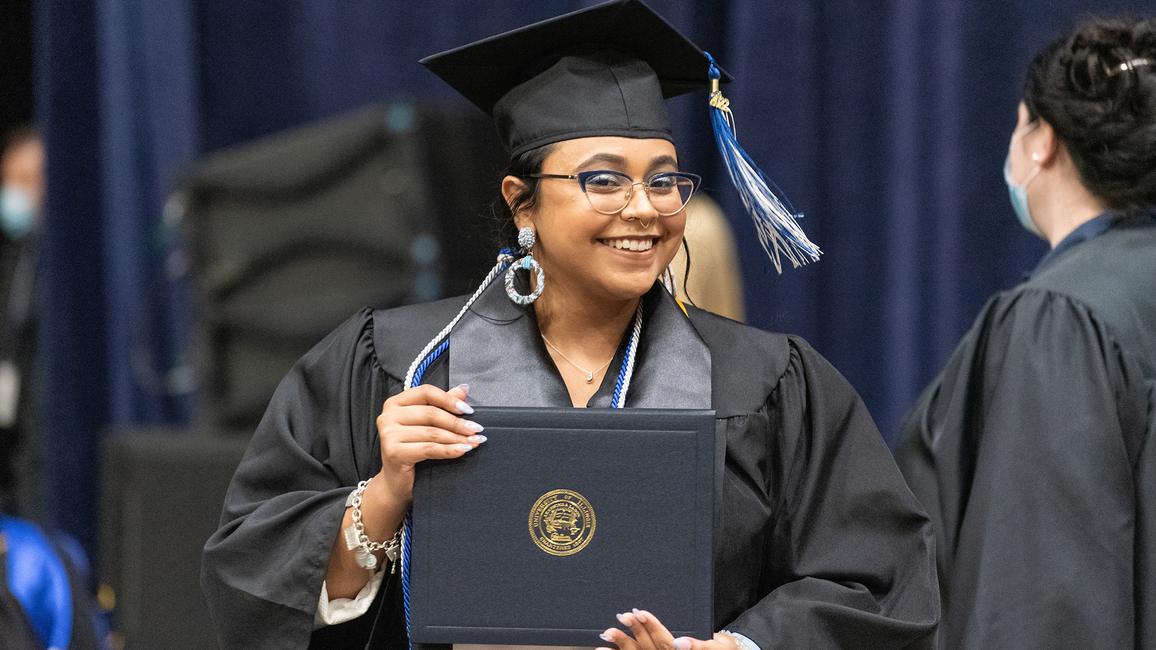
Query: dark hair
[521,166]
[1105,116]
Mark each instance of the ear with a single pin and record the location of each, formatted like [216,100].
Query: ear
[1045,146]
[511,187]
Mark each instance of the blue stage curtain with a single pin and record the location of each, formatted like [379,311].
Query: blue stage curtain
[886,123]
[118,103]
[73,356]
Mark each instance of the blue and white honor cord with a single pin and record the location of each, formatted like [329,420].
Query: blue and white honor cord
[440,342]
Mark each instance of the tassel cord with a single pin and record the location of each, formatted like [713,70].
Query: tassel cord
[432,351]
[406,541]
[627,372]
[504,259]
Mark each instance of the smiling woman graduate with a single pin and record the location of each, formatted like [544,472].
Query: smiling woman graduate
[819,544]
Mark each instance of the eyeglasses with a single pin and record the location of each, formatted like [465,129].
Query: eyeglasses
[609,192]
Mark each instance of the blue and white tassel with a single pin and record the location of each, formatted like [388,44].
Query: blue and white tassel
[778,227]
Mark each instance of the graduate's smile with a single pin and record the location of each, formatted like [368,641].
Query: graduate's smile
[630,244]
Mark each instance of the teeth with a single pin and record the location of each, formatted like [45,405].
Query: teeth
[630,244]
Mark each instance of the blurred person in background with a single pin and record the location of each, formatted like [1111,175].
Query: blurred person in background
[1033,451]
[44,598]
[714,282]
[21,201]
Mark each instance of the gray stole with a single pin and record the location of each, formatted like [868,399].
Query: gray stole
[496,349]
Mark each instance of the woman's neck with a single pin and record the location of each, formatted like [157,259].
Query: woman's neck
[1062,201]
[583,333]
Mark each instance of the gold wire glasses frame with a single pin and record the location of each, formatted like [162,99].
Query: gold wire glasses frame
[609,192]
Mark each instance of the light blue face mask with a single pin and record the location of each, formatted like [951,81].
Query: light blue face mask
[17,215]
[1019,197]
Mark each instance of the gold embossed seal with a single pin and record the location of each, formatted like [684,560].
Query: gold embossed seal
[562,522]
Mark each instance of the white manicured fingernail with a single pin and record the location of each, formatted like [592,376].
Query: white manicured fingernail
[639,615]
[606,637]
[475,427]
[682,644]
[477,440]
[463,447]
[622,619]
[463,407]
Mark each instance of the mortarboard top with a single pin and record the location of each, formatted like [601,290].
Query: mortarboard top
[598,71]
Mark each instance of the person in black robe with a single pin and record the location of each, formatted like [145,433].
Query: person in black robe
[819,543]
[21,201]
[1033,449]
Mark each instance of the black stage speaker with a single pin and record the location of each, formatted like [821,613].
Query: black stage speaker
[291,235]
[161,499]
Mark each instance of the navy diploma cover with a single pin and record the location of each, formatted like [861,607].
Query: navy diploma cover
[562,519]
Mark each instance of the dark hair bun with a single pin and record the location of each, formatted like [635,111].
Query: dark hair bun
[1097,88]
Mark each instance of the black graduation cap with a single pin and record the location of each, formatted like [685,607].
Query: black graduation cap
[594,72]
[605,71]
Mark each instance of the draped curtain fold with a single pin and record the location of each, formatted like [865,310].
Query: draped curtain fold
[885,123]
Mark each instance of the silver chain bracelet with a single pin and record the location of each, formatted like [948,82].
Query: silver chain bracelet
[356,540]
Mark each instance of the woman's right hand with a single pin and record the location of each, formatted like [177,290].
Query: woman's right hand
[419,424]
[415,425]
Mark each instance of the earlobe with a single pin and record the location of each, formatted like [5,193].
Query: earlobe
[1047,145]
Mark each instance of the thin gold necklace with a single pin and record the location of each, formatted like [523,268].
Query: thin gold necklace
[589,375]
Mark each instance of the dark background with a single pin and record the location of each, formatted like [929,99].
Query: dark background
[885,122]
[16,57]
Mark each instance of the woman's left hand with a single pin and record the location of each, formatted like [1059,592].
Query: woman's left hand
[650,634]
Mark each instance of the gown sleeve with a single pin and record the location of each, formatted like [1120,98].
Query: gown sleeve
[848,560]
[263,569]
[1021,450]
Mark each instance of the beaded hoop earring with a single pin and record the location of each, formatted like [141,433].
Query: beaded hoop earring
[526,242]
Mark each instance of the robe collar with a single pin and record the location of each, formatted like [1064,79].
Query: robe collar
[1086,231]
[498,350]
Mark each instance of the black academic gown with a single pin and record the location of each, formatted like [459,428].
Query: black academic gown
[819,543]
[1031,453]
[18,262]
